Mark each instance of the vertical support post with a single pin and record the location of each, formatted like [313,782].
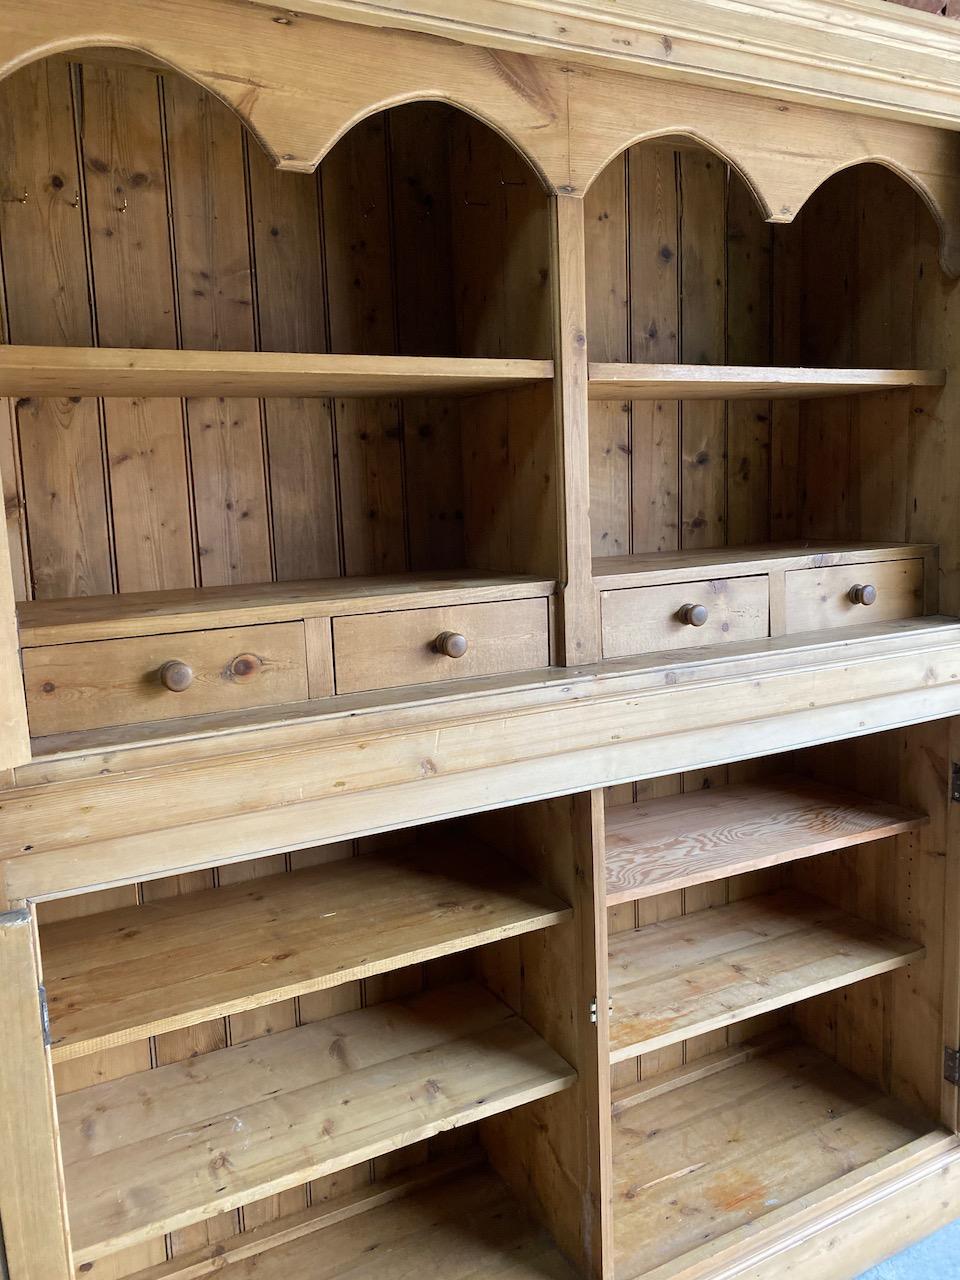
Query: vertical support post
[579,629]
[32,1209]
[14,737]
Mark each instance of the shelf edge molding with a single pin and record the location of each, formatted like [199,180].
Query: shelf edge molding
[27,371]
[746,382]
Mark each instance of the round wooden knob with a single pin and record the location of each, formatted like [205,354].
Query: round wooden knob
[451,644]
[694,615]
[863,593]
[176,676]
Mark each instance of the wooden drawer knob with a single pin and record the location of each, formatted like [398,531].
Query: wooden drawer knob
[451,644]
[693,615]
[176,676]
[863,593]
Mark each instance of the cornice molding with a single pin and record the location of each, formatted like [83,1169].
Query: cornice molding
[869,55]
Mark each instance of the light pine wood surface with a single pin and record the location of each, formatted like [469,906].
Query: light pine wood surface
[743,382]
[141,971]
[674,841]
[253,1119]
[679,978]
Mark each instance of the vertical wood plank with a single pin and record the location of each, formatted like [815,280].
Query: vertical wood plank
[580,622]
[35,1231]
[426,325]
[356,215]
[288,250]
[125,178]
[213,272]
[702,341]
[654,338]
[607,240]
[748,342]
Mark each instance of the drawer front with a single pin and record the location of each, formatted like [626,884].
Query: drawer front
[817,599]
[647,619]
[384,650]
[113,682]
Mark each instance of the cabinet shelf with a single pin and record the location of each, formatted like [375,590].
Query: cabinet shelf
[746,382]
[684,977]
[681,840]
[713,1154]
[156,1151]
[121,371]
[447,1218]
[140,971]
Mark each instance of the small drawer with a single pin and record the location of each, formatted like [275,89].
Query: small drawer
[639,620]
[384,650]
[849,595]
[94,684]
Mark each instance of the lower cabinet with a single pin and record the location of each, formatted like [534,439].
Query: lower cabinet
[670,1030]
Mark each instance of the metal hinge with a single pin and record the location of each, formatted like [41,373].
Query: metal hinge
[955,782]
[951,1066]
[592,1008]
[44,1015]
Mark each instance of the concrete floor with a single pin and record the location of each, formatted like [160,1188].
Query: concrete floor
[935,1258]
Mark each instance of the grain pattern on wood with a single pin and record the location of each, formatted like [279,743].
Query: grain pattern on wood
[105,682]
[142,970]
[103,371]
[384,650]
[466,1228]
[66,621]
[254,1119]
[698,1162]
[684,977]
[36,1235]
[680,616]
[682,840]
[745,382]
[829,597]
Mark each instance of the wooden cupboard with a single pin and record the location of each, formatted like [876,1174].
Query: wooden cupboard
[481,668]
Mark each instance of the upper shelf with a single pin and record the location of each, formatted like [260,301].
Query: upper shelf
[745,382]
[118,371]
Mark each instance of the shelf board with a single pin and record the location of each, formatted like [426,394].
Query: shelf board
[745,382]
[611,573]
[676,841]
[121,371]
[706,970]
[446,1218]
[143,613]
[703,1159]
[156,1151]
[175,962]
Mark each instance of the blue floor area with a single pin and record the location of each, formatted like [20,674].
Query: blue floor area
[935,1258]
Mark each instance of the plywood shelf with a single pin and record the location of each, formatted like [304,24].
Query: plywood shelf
[141,613]
[702,1160]
[709,969]
[139,971]
[153,1152]
[450,1218]
[676,841]
[122,371]
[745,382]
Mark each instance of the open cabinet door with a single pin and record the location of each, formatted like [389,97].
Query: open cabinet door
[951,1021]
[32,1212]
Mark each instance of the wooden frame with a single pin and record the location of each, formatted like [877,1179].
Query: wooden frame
[516,762]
